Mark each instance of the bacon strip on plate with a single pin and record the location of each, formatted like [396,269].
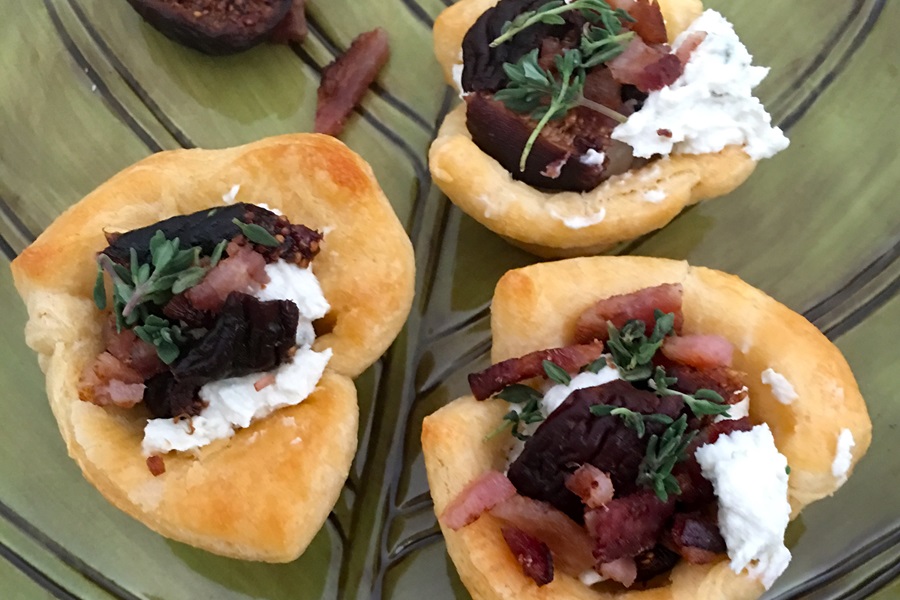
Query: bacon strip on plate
[486,383]
[344,82]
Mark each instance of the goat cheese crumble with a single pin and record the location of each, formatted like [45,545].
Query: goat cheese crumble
[782,389]
[557,394]
[750,480]
[235,403]
[711,105]
[843,456]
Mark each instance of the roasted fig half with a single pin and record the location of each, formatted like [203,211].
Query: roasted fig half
[214,26]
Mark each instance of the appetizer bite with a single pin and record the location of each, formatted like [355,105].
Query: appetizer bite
[590,122]
[648,429]
[199,348]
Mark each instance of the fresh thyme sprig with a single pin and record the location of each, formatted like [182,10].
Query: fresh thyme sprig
[256,234]
[556,373]
[529,399]
[595,11]
[702,402]
[632,350]
[161,333]
[663,453]
[140,286]
[635,420]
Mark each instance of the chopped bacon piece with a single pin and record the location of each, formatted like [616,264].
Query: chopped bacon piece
[132,351]
[726,427]
[628,526]
[533,554]
[344,82]
[726,382]
[156,464]
[292,27]
[108,381]
[483,493]
[700,351]
[569,542]
[646,67]
[496,377]
[592,485]
[650,24]
[688,46]
[623,570]
[620,309]
[264,382]
[240,272]
[696,537]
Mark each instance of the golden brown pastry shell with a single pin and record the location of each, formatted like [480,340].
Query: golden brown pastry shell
[263,494]
[536,307]
[535,220]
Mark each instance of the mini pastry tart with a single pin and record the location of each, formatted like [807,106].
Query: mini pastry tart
[670,415]
[216,401]
[581,127]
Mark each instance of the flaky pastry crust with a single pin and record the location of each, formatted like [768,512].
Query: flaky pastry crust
[536,220]
[264,493]
[536,307]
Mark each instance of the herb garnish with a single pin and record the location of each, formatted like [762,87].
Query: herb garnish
[171,271]
[702,402]
[530,412]
[663,453]
[634,420]
[256,234]
[632,350]
[556,373]
[595,11]
[161,333]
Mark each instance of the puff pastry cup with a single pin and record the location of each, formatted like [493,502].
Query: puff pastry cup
[536,307]
[533,219]
[255,496]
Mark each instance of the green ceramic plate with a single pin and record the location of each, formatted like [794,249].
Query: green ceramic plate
[86,88]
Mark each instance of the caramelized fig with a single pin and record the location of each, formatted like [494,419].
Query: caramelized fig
[214,26]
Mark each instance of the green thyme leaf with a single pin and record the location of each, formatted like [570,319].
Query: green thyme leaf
[256,234]
[595,11]
[163,335]
[787,470]
[663,453]
[100,289]
[632,419]
[518,393]
[529,412]
[217,253]
[702,402]
[632,351]
[596,366]
[556,373]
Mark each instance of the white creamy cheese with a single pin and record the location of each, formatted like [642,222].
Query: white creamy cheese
[655,196]
[843,457]
[592,158]
[557,394]
[591,577]
[234,403]
[229,197]
[579,222]
[749,478]
[736,411]
[270,209]
[710,106]
[782,389]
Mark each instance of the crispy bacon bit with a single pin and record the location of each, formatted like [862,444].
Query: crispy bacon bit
[592,485]
[265,381]
[482,494]
[554,169]
[569,542]
[344,82]
[628,526]
[292,27]
[132,351]
[726,427]
[620,309]
[623,570]
[533,555]
[726,382]
[666,133]
[496,377]
[646,67]
[700,351]
[650,24]
[696,537]
[156,464]
[109,381]
[243,270]
[688,46]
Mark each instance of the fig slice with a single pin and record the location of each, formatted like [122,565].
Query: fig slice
[214,26]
